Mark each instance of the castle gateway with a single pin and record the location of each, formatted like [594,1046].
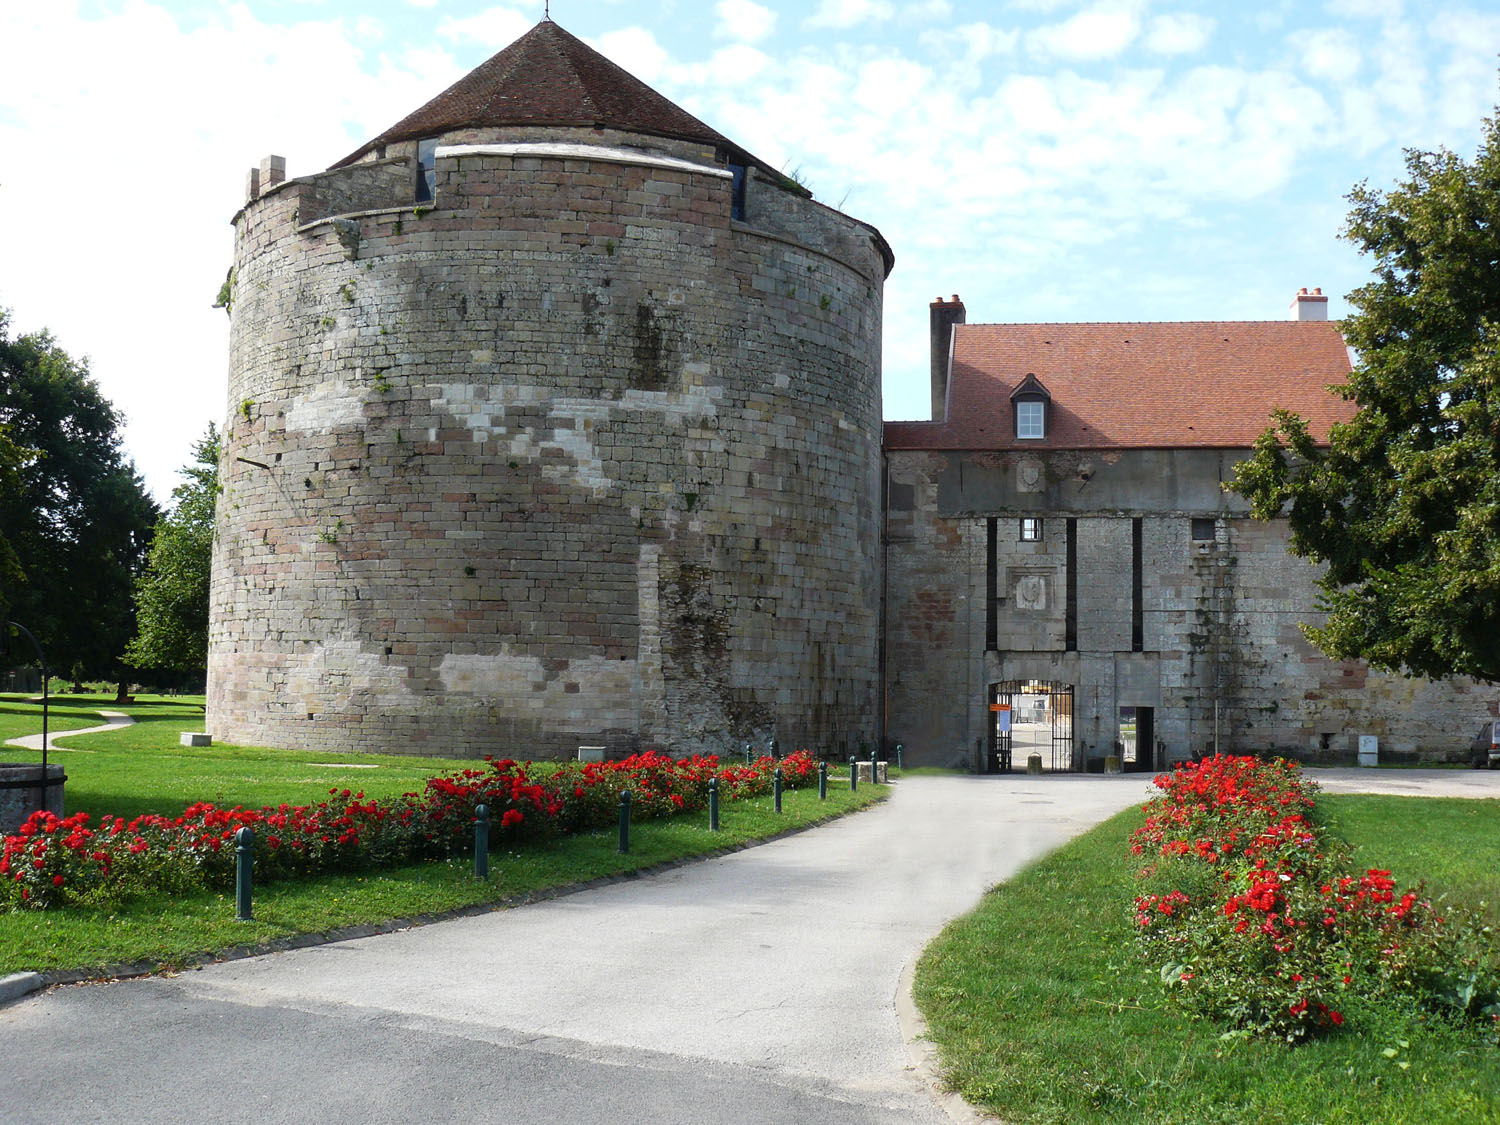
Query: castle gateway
[554,419]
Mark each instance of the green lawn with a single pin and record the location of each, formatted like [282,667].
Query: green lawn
[1042,1012]
[143,769]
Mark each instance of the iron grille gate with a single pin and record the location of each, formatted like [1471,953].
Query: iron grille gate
[1017,709]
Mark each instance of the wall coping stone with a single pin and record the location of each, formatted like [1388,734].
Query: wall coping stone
[568,151]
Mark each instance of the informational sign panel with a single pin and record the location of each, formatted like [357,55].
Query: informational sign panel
[1002,717]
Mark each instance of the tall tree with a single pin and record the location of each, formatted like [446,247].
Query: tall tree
[12,458]
[171,597]
[80,519]
[1403,504]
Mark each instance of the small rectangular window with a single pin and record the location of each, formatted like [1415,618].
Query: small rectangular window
[737,203]
[427,170]
[1031,530]
[1029,420]
[1203,531]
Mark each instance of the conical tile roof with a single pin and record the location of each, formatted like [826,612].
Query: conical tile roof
[549,77]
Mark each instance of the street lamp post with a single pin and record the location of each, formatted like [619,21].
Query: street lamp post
[42,660]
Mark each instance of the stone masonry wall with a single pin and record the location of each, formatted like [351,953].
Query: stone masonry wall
[568,458]
[1219,617]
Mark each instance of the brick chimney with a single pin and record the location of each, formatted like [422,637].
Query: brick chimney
[944,315]
[1309,306]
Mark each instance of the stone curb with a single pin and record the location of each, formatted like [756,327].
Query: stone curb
[923,1057]
[129,970]
[17,985]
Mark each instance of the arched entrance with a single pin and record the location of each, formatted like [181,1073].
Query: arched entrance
[1030,717]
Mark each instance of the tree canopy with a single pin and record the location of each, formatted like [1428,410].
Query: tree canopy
[12,458]
[171,597]
[77,517]
[1403,503]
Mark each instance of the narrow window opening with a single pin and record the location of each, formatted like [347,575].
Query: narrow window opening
[427,170]
[1137,582]
[737,204]
[1203,530]
[991,581]
[1031,529]
[1070,625]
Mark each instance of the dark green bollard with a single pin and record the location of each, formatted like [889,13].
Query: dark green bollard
[482,842]
[776,788]
[747,753]
[874,773]
[773,749]
[244,860]
[898,756]
[713,804]
[624,821]
[853,773]
[822,781]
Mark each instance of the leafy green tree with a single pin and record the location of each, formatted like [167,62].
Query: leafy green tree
[12,458]
[1403,504]
[79,519]
[171,597]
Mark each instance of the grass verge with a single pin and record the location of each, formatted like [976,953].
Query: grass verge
[131,771]
[1042,1012]
[142,769]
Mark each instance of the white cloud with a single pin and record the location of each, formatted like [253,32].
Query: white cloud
[744,20]
[1385,10]
[1178,33]
[850,13]
[1100,32]
[927,10]
[635,49]
[133,294]
[493,27]
[1331,54]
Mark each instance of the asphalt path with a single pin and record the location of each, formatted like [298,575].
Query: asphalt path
[757,987]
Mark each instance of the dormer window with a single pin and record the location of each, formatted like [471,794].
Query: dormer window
[1031,403]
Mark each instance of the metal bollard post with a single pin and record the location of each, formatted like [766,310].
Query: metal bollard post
[747,753]
[624,821]
[853,773]
[482,842]
[898,756]
[713,804]
[773,750]
[244,860]
[822,781]
[874,772]
[776,788]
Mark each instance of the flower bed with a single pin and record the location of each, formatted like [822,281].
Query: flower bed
[1255,916]
[56,861]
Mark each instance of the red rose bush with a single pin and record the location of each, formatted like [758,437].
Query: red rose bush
[1255,915]
[55,861]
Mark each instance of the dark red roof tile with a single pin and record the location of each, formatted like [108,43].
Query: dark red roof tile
[1159,385]
[549,77]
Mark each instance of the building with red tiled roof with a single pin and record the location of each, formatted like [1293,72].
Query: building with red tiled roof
[1135,386]
[1066,573]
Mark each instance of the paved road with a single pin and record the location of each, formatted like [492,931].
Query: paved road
[757,987]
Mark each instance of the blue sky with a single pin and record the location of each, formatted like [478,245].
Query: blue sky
[1046,159]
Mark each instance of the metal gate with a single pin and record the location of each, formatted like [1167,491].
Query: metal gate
[1031,716]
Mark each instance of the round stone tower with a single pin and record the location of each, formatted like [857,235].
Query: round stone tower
[554,420]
